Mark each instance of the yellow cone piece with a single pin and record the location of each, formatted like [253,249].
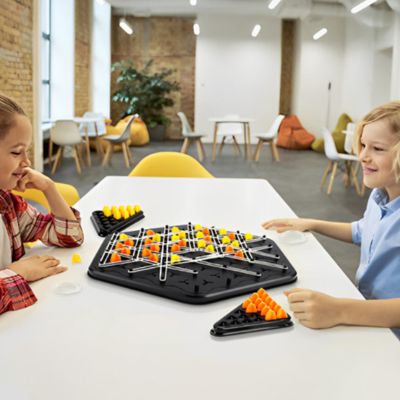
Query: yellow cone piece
[125,214]
[175,238]
[113,209]
[76,258]
[210,248]
[248,236]
[156,237]
[137,208]
[117,214]
[175,258]
[175,229]
[222,231]
[121,209]
[123,236]
[201,243]
[197,227]
[107,211]
[235,243]
[226,240]
[182,235]
[199,235]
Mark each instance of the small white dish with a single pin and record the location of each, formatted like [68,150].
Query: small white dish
[292,237]
[67,288]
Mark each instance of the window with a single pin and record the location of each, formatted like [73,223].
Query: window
[45,59]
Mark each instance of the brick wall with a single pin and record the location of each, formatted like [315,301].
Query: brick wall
[16,29]
[170,42]
[83,24]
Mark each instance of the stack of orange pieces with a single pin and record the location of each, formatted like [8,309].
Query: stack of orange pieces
[261,303]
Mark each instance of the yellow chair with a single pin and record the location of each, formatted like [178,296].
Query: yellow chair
[170,164]
[68,192]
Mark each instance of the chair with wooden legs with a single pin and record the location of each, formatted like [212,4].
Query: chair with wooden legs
[190,137]
[122,140]
[270,138]
[93,131]
[65,133]
[334,159]
[226,130]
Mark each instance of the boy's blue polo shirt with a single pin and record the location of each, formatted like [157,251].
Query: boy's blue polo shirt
[378,232]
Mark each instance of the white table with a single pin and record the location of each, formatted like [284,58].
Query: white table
[109,342]
[236,120]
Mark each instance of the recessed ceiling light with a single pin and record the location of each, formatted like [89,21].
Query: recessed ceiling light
[273,4]
[196,29]
[320,33]
[193,2]
[124,25]
[360,6]
[256,30]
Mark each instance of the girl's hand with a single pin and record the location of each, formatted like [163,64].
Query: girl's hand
[314,309]
[37,267]
[283,225]
[33,179]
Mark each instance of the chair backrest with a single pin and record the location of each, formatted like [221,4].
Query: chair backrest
[68,193]
[186,128]
[65,132]
[273,130]
[125,135]
[349,138]
[170,164]
[329,145]
[90,127]
[94,128]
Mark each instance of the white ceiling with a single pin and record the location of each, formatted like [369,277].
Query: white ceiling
[293,8]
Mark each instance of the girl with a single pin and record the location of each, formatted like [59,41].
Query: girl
[20,222]
[378,233]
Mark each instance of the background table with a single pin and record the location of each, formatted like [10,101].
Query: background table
[110,342]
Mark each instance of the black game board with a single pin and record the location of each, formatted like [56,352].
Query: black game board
[202,274]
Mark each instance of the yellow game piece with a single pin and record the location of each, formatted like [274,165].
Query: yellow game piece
[199,235]
[123,236]
[107,211]
[182,234]
[210,248]
[137,208]
[113,209]
[226,240]
[76,258]
[222,231]
[131,210]
[201,243]
[175,258]
[235,243]
[117,214]
[157,237]
[197,227]
[175,229]
[175,238]
[248,236]
[29,245]
[125,214]
[121,209]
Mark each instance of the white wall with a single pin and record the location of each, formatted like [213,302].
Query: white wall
[101,58]
[236,73]
[62,59]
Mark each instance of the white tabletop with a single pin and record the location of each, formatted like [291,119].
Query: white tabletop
[231,119]
[109,342]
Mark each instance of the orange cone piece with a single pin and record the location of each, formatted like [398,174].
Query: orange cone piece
[153,257]
[272,303]
[146,252]
[261,292]
[126,251]
[155,247]
[257,301]
[232,236]
[119,245]
[206,231]
[281,314]
[129,242]
[246,303]
[251,308]
[270,315]
[254,297]
[175,247]
[148,241]
[229,249]
[239,254]
[260,306]
[182,243]
[264,311]
[150,232]
[115,257]
[207,238]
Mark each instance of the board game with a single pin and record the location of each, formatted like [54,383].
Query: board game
[191,263]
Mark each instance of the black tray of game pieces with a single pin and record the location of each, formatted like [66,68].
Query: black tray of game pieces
[107,225]
[208,285]
[238,321]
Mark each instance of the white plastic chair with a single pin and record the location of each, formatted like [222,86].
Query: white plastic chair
[334,159]
[190,137]
[94,130]
[122,140]
[65,133]
[270,138]
[348,140]
[229,129]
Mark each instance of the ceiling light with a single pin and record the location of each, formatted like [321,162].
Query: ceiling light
[320,33]
[196,29]
[273,4]
[124,25]
[193,2]
[362,5]
[256,30]
[101,2]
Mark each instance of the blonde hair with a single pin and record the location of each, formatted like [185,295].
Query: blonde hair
[8,110]
[390,113]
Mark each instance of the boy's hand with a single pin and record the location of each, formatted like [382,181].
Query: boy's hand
[314,309]
[34,180]
[37,267]
[283,225]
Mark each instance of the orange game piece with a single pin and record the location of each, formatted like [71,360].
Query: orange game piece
[251,308]
[257,301]
[232,236]
[261,292]
[182,243]
[155,247]
[239,254]
[246,303]
[272,304]
[146,252]
[153,257]
[229,249]
[260,306]
[206,231]
[277,308]
[148,241]
[150,232]
[175,247]
[125,250]
[281,314]
[207,238]
[270,315]
[119,246]
[267,299]
[129,242]
[254,297]
[264,311]
[115,257]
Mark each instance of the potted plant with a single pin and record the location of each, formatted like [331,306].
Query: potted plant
[145,93]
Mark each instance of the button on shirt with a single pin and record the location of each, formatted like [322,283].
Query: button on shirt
[378,232]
